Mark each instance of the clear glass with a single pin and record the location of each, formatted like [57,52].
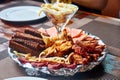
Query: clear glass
[60,12]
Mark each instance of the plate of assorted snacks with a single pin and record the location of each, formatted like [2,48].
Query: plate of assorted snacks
[62,54]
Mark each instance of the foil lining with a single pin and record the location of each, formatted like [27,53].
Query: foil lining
[33,71]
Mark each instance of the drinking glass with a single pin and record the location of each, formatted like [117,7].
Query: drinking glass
[59,12]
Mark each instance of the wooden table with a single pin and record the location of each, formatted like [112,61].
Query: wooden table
[107,28]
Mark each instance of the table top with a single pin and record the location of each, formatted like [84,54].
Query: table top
[107,28]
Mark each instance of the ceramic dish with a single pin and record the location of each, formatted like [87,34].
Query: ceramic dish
[21,14]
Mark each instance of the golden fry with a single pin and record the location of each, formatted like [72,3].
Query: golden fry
[57,46]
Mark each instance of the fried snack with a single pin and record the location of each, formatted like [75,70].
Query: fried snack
[27,42]
[57,46]
[23,49]
[34,32]
[30,44]
[59,50]
[58,12]
[87,50]
[28,37]
[60,37]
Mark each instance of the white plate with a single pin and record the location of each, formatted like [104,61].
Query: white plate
[25,78]
[21,13]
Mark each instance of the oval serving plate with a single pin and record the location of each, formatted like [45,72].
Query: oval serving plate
[33,71]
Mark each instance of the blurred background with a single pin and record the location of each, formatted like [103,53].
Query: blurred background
[104,7]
